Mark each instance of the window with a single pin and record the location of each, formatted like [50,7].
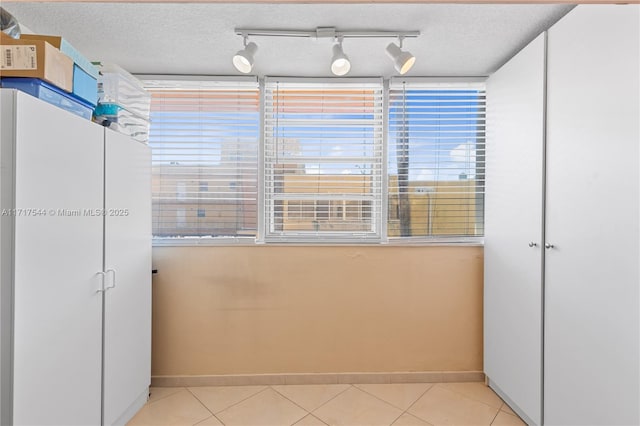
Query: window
[436,142]
[323,165]
[339,161]
[204,138]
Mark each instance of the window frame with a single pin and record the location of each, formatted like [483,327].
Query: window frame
[347,237]
[453,82]
[192,82]
[436,83]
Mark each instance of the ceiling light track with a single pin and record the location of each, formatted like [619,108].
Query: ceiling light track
[325,32]
[340,64]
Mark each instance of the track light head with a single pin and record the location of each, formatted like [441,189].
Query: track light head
[340,64]
[243,59]
[402,60]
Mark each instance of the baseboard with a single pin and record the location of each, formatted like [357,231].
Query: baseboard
[318,378]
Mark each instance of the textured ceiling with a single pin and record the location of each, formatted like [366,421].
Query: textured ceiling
[199,38]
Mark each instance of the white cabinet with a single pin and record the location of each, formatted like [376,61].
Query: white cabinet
[592,283]
[513,229]
[49,263]
[56,237]
[127,313]
[562,316]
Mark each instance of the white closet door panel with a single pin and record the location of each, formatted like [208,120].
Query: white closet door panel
[592,322]
[127,251]
[513,219]
[7,117]
[58,252]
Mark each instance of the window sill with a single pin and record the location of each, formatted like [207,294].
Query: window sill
[247,241]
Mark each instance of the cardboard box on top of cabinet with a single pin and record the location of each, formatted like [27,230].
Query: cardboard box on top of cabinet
[65,47]
[85,74]
[36,59]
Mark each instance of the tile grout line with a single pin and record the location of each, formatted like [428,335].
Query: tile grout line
[508,414]
[512,413]
[387,402]
[331,399]
[239,402]
[494,417]
[309,412]
[218,419]
[396,419]
[315,417]
[205,407]
[319,419]
[291,401]
[166,396]
[474,399]
[414,416]
[433,385]
[204,420]
[380,399]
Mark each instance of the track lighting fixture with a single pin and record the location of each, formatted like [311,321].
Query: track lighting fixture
[243,59]
[402,60]
[340,63]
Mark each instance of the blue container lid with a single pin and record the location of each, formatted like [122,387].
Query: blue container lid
[32,86]
[49,93]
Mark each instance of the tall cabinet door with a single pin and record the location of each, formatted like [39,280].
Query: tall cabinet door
[592,322]
[58,254]
[127,339]
[513,231]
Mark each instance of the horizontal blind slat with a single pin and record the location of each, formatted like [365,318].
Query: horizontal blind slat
[435,160]
[323,160]
[204,143]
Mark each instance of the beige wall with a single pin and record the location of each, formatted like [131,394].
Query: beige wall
[276,309]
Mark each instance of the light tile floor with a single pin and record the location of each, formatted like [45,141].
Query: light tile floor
[409,404]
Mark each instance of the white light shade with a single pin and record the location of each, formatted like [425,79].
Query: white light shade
[243,60]
[340,64]
[402,60]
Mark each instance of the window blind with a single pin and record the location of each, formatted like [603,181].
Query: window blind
[323,159]
[204,137]
[436,159]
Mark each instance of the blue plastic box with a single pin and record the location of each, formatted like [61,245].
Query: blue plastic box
[49,93]
[85,86]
